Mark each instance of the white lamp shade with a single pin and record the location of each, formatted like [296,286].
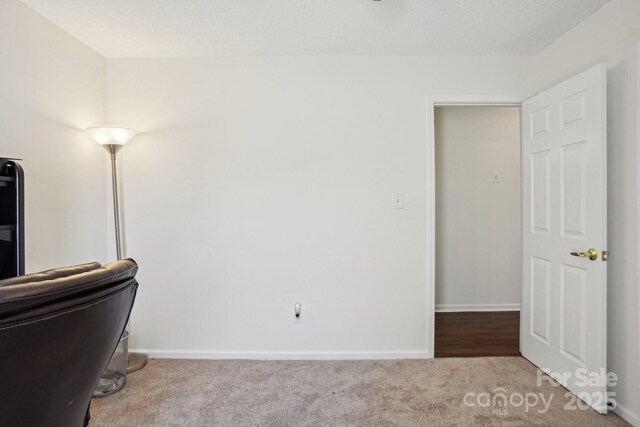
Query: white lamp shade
[111,135]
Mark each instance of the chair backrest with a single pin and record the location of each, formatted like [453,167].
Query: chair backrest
[58,331]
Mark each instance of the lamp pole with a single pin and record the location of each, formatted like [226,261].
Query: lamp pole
[113,149]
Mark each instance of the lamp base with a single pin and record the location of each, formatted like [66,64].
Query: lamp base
[114,377]
[136,361]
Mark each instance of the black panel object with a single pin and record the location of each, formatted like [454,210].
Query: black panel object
[11,218]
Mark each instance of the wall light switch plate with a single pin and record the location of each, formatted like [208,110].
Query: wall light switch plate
[496,177]
[397,201]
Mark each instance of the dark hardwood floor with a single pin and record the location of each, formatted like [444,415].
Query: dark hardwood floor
[475,334]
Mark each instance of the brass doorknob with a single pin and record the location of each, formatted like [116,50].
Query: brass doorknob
[592,254]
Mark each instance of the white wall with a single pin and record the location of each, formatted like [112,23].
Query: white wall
[261,182]
[51,86]
[611,35]
[478,222]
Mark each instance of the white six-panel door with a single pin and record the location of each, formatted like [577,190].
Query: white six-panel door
[563,318]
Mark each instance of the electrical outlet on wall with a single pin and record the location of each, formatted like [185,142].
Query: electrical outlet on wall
[297,313]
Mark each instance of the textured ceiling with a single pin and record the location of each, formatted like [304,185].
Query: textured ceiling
[205,28]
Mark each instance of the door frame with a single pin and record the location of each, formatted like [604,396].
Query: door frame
[433,101]
[637,187]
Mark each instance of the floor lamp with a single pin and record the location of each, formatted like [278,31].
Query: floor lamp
[113,139]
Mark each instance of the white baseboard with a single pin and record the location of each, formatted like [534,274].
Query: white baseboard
[294,355]
[627,415]
[451,308]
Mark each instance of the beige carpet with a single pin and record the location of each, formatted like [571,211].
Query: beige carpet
[335,393]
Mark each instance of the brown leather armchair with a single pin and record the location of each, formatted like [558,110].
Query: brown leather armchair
[58,330]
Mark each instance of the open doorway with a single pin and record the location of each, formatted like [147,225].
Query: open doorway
[478,245]
[563,322]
